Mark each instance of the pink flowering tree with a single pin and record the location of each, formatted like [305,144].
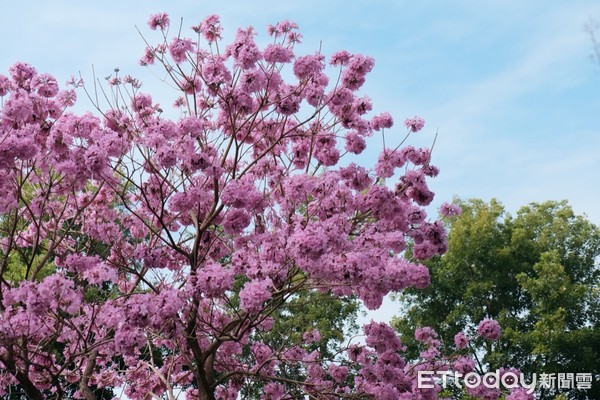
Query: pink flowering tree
[152,255]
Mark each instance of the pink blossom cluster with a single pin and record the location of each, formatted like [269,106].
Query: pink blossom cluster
[464,365]
[461,341]
[150,253]
[489,329]
[414,124]
[450,210]
[160,20]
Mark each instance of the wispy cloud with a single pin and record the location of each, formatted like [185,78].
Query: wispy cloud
[493,146]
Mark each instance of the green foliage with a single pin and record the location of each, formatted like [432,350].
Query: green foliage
[536,273]
[334,318]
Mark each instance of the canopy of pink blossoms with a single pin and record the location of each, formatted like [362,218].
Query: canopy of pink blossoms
[148,253]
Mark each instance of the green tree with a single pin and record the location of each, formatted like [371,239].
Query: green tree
[536,273]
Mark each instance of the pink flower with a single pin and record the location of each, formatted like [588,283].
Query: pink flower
[450,210]
[215,72]
[148,57]
[276,53]
[381,337]
[382,121]
[281,28]
[461,340]
[325,151]
[22,74]
[160,20]
[387,162]
[141,102]
[45,85]
[308,66]
[358,67]
[464,365]
[179,49]
[214,280]
[19,107]
[425,334]
[288,101]
[210,28]
[235,221]
[67,98]
[311,336]
[355,177]
[253,80]
[489,329]
[340,58]
[418,276]
[244,49]
[355,143]
[273,390]
[338,372]
[254,294]
[414,124]
[5,85]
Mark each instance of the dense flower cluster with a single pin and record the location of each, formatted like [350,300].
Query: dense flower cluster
[489,329]
[414,124]
[148,253]
[450,210]
[461,341]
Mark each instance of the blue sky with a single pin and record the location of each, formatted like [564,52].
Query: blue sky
[509,84]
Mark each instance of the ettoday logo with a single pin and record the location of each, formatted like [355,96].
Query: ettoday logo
[504,380]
